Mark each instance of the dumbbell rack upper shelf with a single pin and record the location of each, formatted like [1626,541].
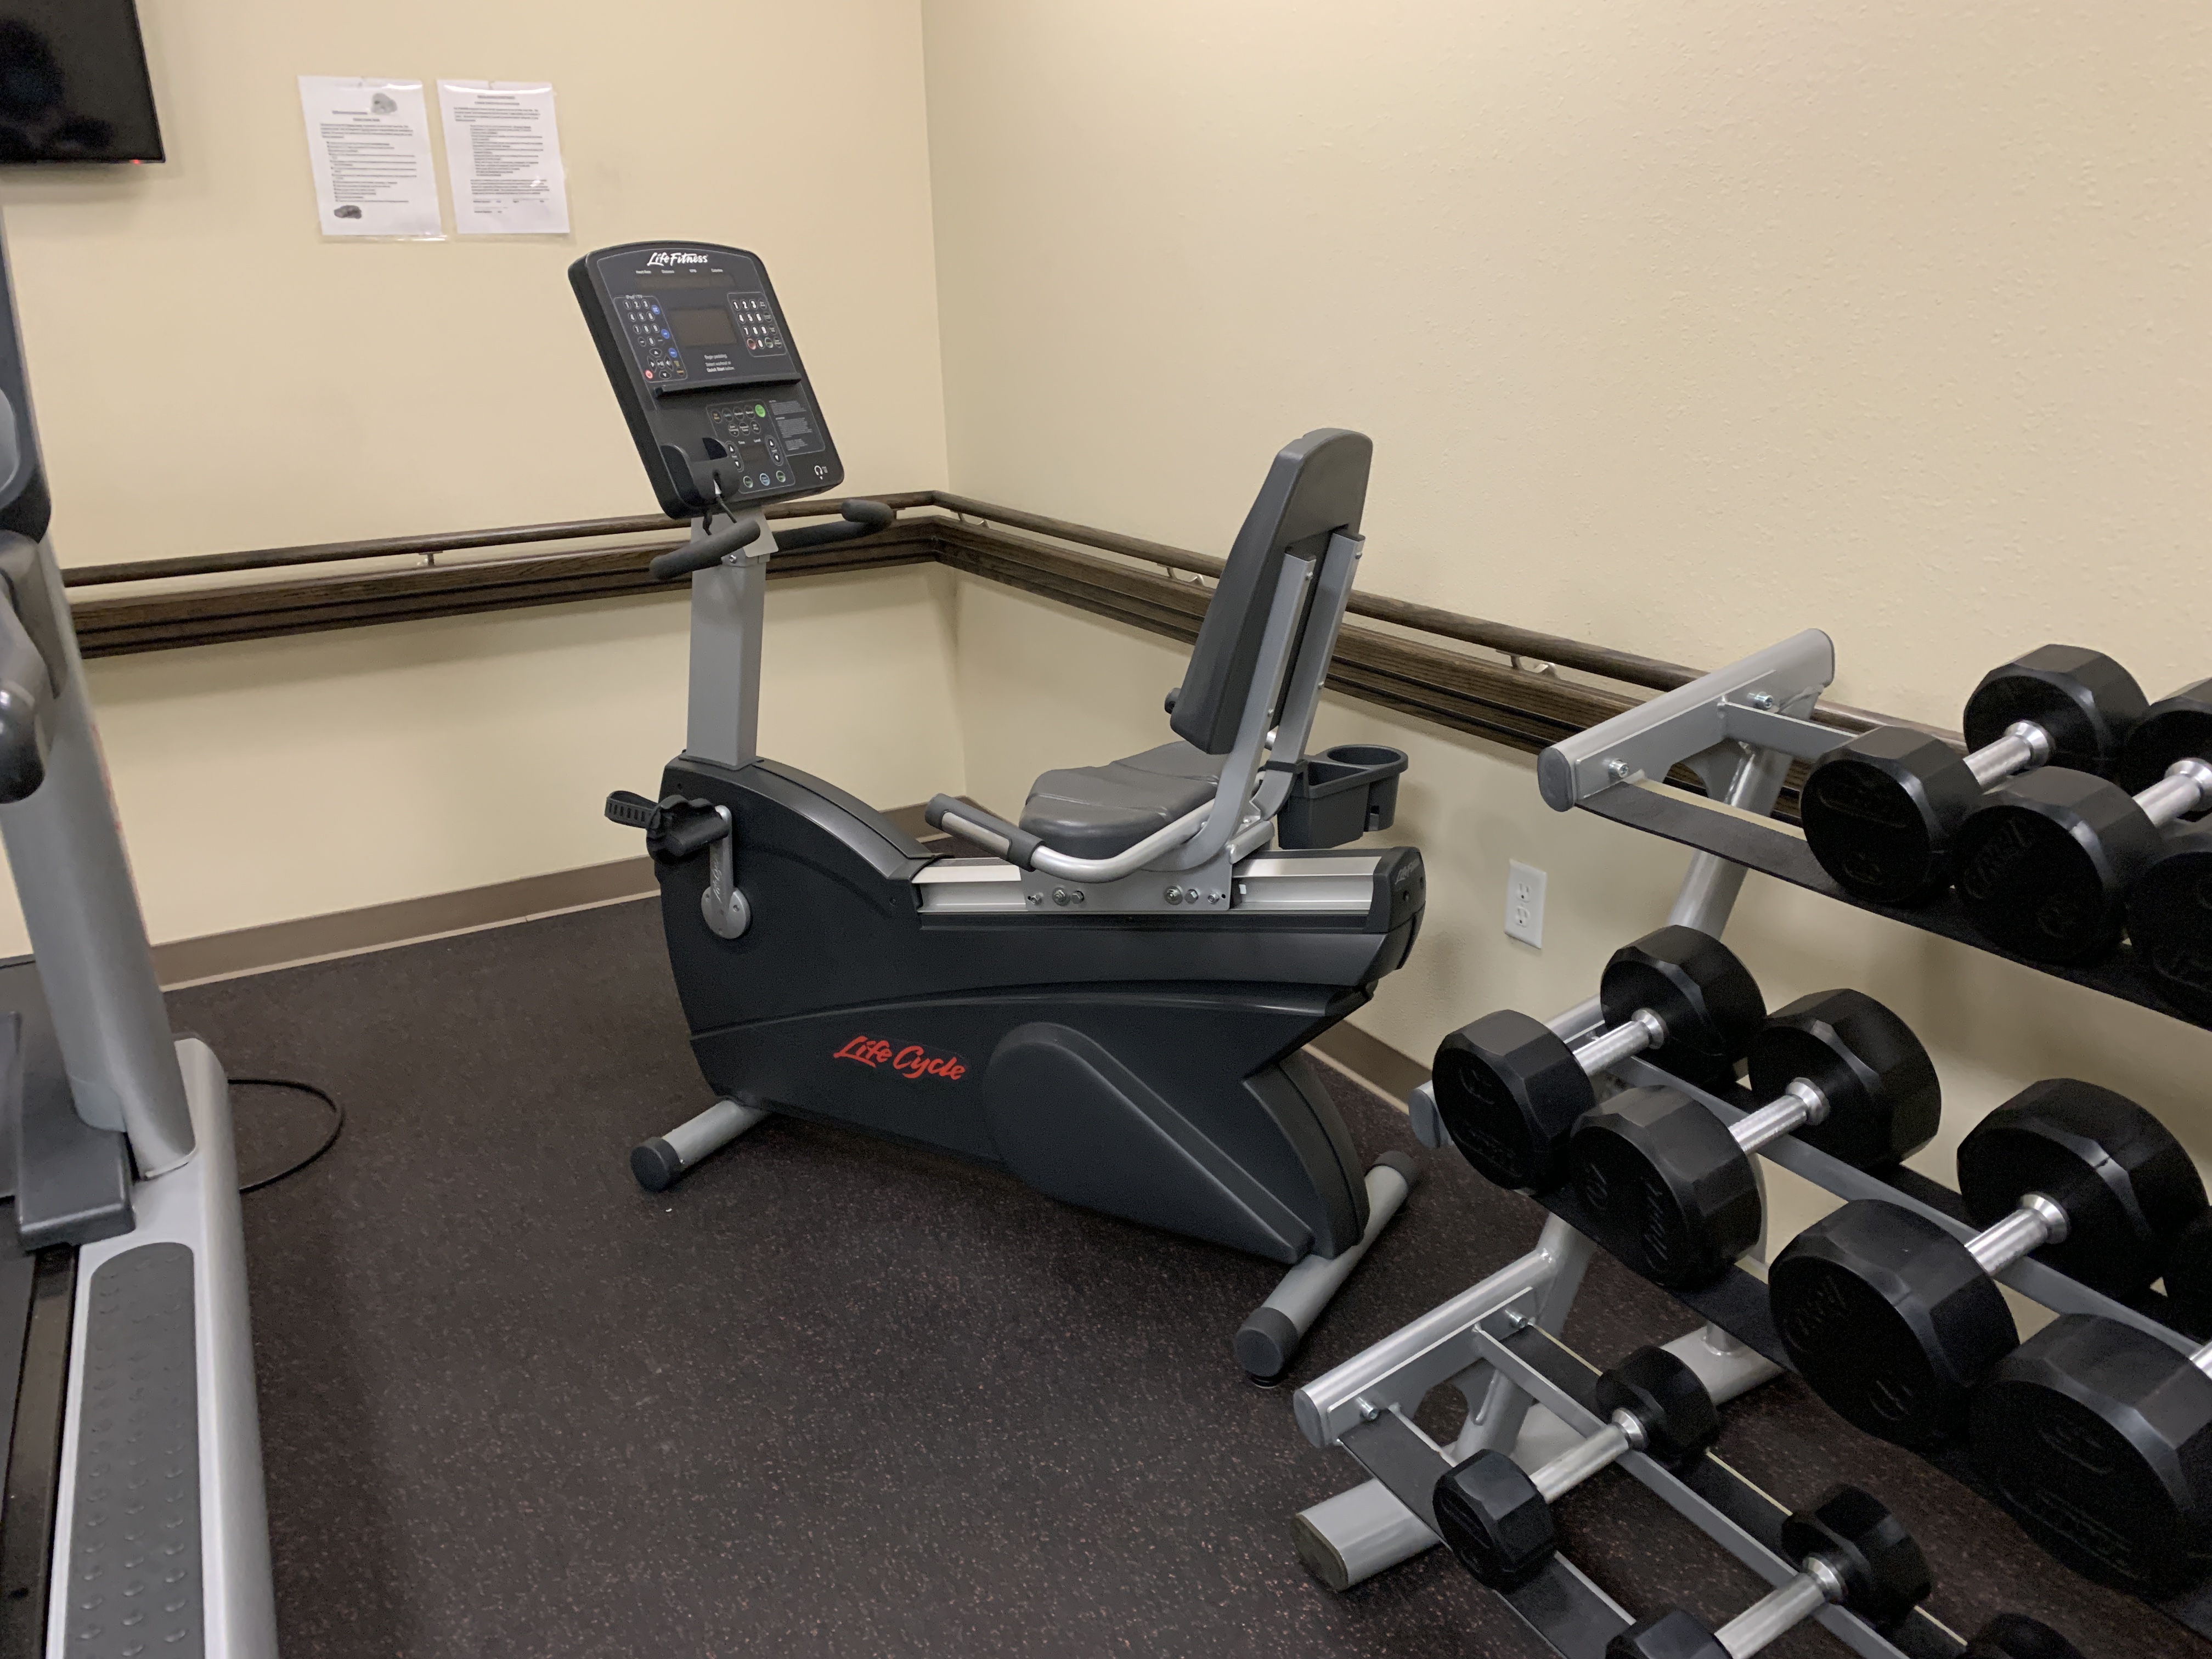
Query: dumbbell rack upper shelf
[1763,703]
[1774,851]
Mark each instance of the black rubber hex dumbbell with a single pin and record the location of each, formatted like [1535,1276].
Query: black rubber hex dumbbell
[1879,812]
[1895,1321]
[1498,1519]
[1671,1191]
[1508,1089]
[2098,1436]
[2045,866]
[2170,922]
[2189,1278]
[1850,1549]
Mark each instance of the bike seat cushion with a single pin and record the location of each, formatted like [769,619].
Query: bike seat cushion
[1096,811]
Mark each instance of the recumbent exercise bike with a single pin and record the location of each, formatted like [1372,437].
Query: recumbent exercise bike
[1112,1009]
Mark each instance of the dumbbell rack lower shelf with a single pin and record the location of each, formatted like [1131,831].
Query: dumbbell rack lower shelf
[1738,1303]
[1560,1603]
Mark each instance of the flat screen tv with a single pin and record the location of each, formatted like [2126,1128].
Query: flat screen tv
[73,83]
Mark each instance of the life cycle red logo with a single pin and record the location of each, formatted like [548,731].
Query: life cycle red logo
[912,1062]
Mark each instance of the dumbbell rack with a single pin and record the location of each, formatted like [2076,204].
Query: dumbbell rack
[1737,729]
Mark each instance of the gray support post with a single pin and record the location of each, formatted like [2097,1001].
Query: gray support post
[1309,672]
[73,880]
[1711,882]
[723,722]
[1495,1423]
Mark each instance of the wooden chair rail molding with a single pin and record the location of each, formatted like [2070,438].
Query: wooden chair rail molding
[1524,701]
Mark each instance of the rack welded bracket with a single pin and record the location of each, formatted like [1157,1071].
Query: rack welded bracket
[1759,702]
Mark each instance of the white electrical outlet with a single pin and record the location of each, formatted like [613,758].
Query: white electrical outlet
[1524,905]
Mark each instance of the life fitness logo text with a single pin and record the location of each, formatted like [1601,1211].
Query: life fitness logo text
[664,258]
[910,1062]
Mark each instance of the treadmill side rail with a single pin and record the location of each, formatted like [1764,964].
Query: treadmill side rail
[197,1207]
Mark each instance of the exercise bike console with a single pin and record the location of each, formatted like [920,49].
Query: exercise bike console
[716,398]
[1114,1009]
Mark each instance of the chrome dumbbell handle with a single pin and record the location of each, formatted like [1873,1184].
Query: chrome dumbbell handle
[1623,1434]
[1800,1103]
[1640,1031]
[2024,745]
[1782,1610]
[2039,1221]
[2186,786]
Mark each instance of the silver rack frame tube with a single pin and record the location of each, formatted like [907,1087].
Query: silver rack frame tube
[1409,1362]
[1760,701]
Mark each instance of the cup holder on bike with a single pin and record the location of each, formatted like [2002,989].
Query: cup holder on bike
[1340,795]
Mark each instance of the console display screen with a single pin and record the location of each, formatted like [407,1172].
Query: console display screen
[703,328]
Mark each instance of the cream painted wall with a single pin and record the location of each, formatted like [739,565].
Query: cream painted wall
[270,386]
[1677,329]
[297,777]
[211,374]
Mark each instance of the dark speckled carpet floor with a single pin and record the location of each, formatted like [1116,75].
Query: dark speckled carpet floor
[834,1397]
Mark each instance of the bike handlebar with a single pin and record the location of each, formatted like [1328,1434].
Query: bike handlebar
[861,518]
[709,550]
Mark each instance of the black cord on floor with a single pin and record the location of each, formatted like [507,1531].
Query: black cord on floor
[337,1123]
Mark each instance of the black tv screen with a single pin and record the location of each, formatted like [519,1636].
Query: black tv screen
[73,83]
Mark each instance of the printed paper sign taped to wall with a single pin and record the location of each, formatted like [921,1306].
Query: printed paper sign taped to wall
[503,155]
[368,144]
